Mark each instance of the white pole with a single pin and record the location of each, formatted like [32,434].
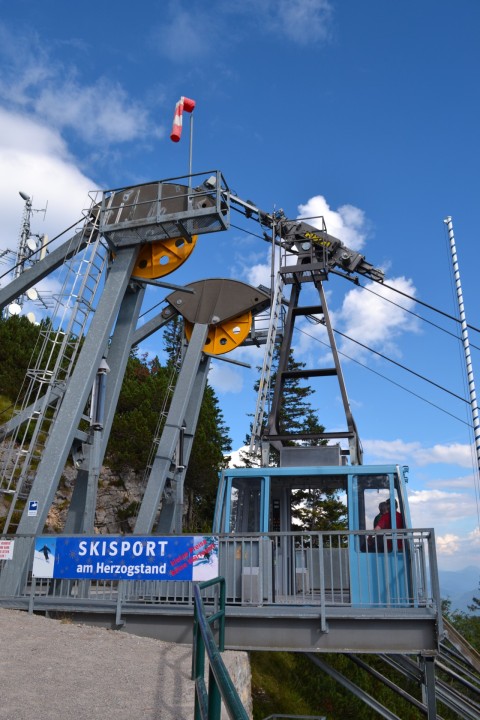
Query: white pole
[191,145]
[466,343]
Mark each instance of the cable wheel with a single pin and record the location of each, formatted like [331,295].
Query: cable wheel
[162,257]
[225,336]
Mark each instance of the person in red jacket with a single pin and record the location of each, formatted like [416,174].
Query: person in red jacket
[385,523]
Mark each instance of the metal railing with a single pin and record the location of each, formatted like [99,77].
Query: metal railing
[394,568]
[208,698]
[341,569]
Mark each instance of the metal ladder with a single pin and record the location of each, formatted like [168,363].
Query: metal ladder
[264,384]
[61,339]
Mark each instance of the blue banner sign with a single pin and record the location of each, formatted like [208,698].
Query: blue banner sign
[112,557]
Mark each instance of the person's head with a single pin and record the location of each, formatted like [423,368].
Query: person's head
[383,507]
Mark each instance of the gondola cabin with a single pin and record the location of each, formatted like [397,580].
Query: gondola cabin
[309,531]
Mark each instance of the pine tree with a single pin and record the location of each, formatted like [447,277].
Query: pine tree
[139,405]
[143,397]
[312,509]
[173,336]
[206,460]
[19,348]
[210,444]
[296,414]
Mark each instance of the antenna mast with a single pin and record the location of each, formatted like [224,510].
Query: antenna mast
[31,249]
[465,340]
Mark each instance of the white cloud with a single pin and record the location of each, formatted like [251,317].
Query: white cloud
[474,538]
[347,223]
[440,504]
[391,450]
[453,454]
[372,315]
[224,378]
[185,35]
[465,482]
[236,456]
[100,113]
[448,544]
[375,318]
[456,551]
[35,160]
[259,274]
[304,21]
[300,21]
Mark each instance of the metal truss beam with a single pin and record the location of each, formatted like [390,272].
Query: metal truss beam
[164,458]
[42,268]
[76,395]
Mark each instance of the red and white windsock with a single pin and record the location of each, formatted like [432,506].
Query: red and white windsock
[183,104]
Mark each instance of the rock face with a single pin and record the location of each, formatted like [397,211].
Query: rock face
[118,501]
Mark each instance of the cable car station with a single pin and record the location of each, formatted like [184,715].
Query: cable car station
[289,585]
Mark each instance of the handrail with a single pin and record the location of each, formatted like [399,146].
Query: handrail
[220,686]
[462,645]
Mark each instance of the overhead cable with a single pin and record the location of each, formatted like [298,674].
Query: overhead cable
[403,367]
[355,281]
[384,377]
[410,312]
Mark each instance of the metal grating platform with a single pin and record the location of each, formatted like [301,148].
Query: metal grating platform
[160,210]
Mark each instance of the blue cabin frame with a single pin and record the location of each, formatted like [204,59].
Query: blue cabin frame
[259,500]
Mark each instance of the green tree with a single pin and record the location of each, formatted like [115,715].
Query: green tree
[295,414]
[475,606]
[210,444]
[173,336]
[312,509]
[140,403]
[318,510]
[143,402]
[19,348]
[466,624]
[207,458]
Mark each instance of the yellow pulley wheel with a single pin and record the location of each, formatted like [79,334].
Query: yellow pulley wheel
[225,336]
[162,257]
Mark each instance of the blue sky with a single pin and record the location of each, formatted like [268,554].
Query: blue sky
[365,112]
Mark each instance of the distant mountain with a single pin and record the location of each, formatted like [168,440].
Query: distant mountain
[460,586]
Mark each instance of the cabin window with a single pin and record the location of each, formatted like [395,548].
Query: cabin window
[318,511]
[371,490]
[245,497]
[320,505]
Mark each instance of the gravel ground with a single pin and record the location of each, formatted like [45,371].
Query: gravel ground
[54,670]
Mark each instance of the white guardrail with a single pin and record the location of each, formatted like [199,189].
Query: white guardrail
[349,569]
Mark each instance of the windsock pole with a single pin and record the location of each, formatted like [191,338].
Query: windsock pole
[190,150]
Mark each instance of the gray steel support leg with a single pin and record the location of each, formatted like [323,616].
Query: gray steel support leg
[356,453]
[75,398]
[175,519]
[81,514]
[428,686]
[171,432]
[75,522]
